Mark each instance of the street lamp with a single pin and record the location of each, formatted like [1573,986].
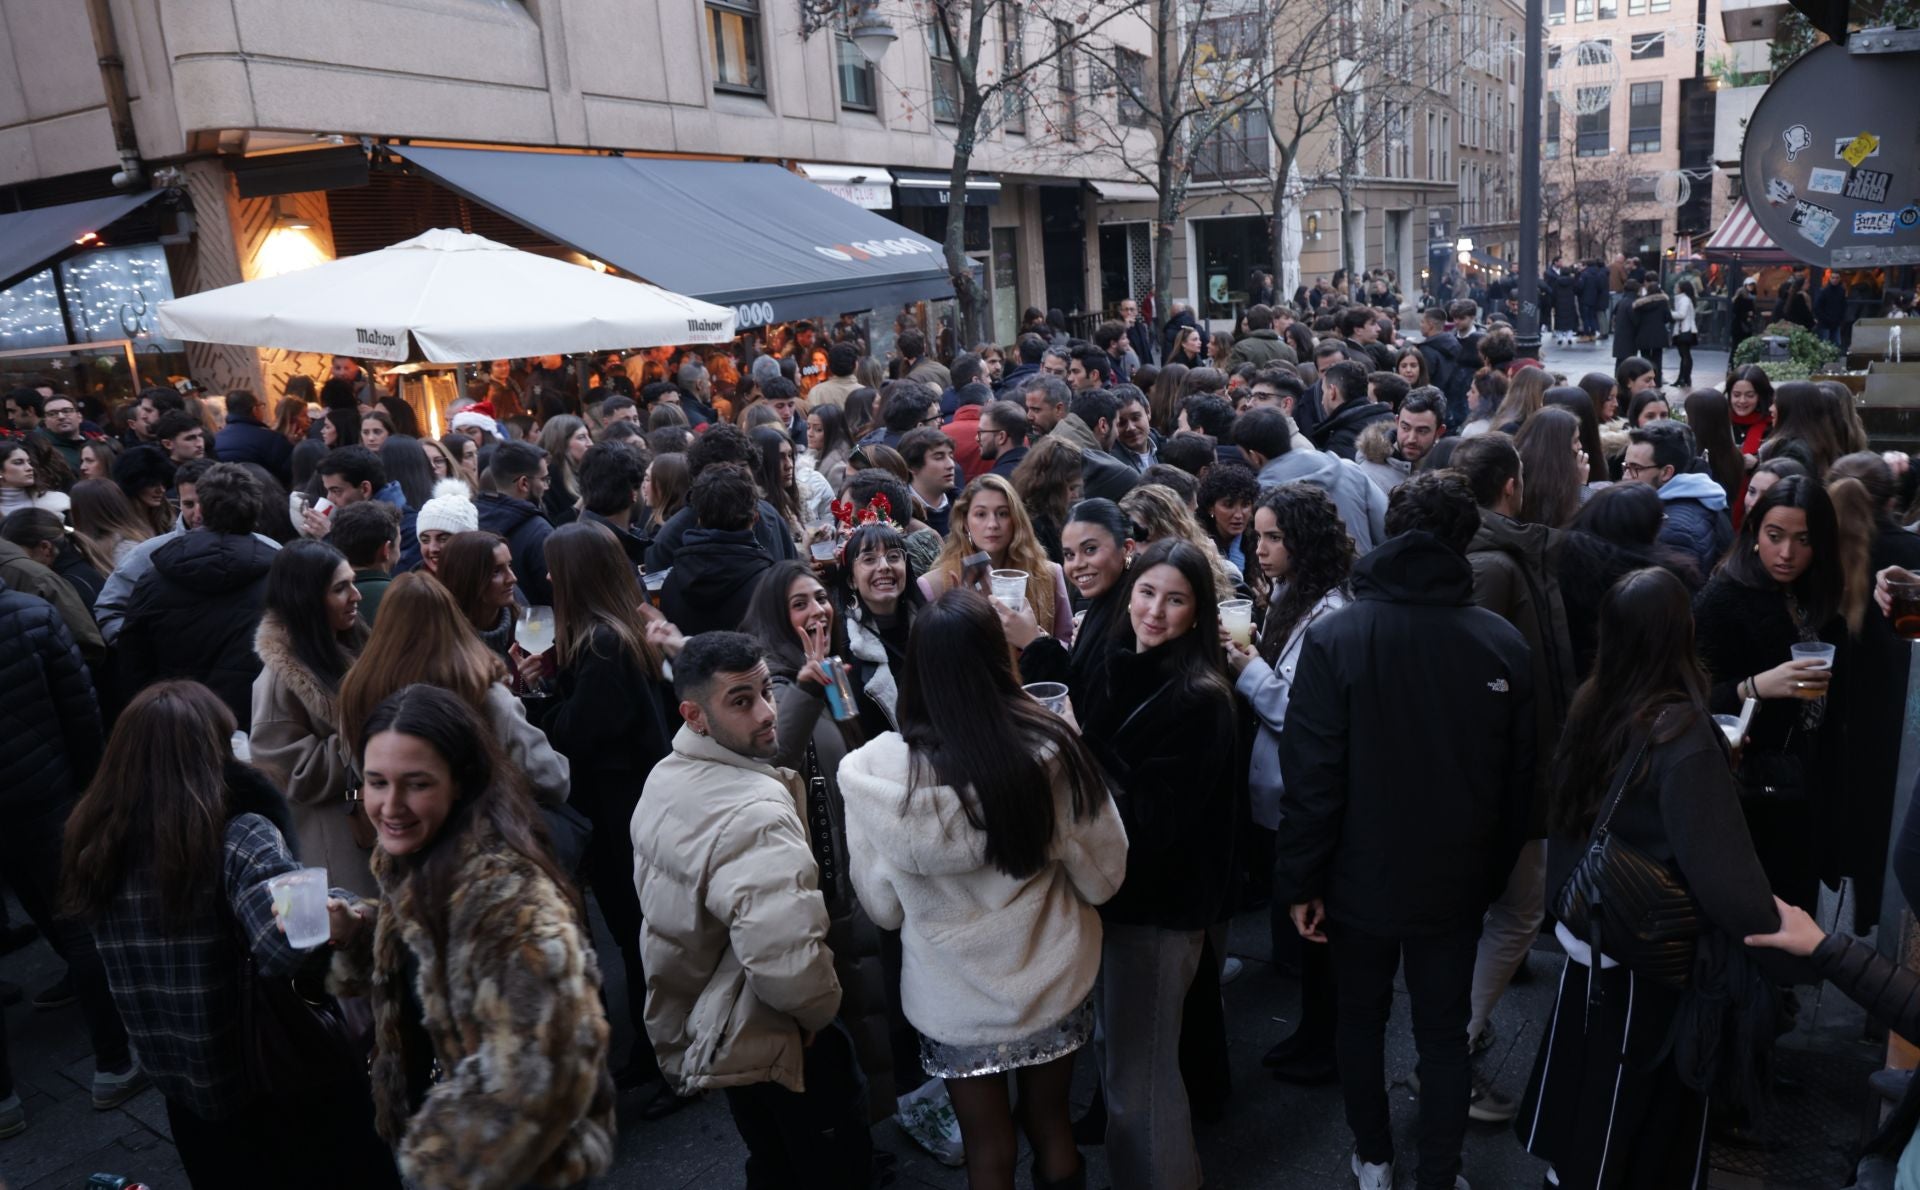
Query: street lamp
[871,33]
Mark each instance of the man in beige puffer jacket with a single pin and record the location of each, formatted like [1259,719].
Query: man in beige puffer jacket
[741,993]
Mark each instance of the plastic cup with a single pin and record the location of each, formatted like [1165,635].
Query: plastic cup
[1814,651]
[300,902]
[1010,587]
[823,551]
[655,582]
[1729,726]
[1051,695]
[1236,616]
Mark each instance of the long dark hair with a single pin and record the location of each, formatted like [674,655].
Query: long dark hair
[1579,402]
[882,536]
[833,429]
[159,797]
[1818,589]
[1762,384]
[1645,665]
[1319,558]
[297,585]
[488,787]
[766,619]
[1628,516]
[1196,658]
[593,590]
[406,463]
[1710,418]
[765,463]
[466,566]
[968,725]
[1551,494]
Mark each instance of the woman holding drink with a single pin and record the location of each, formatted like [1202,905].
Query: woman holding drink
[989,517]
[169,856]
[1760,622]
[1097,543]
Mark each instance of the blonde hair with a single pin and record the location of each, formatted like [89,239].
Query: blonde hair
[1163,512]
[1023,550]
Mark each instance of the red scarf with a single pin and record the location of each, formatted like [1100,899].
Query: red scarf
[1752,430]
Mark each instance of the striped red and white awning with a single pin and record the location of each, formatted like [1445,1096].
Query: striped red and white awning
[1740,239]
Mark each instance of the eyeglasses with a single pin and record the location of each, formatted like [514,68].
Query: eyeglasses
[1638,468]
[62,411]
[931,419]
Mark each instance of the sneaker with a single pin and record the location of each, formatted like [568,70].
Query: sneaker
[1373,1177]
[112,1090]
[926,1116]
[1488,1105]
[58,996]
[1230,971]
[13,1118]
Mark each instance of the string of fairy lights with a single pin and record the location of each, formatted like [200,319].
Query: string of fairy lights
[111,293]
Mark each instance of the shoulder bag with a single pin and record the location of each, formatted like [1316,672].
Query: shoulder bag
[1629,905]
[294,1036]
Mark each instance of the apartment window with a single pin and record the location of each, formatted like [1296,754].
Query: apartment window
[1636,8]
[1068,59]
[857,91]
[1609,9]
[1433,141]
[1553,57]
[1582,10]
[1643,117]
[1556,12]
[734,27]
[1593,133]
[1132,70]
[1552,122]
[1647,45]
[1013,55]
[1446,145]
[1660,6]
[1641,188]
[946,76]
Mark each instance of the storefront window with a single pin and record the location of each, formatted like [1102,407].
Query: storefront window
[1006,282]
[30,314]
[115,293]
[1229,251]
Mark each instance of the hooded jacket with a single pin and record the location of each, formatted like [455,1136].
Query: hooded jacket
[1103,475]
[1373,453]
[1406,814]
[249,440]
[1262,347]
[1697,521]
[195,616]
[50,718]
[987,957]
[715,572]
[1652,316]
[769,529]
[1516,576]
[22,573]
[734,927]
[510,1000]
[1342,427]
[526,530]
[1361,503]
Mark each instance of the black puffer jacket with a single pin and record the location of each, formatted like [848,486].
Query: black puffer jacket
[526,531]
[195,617]
[1339,432]
[49,716]
[715,573]
[1171,757]
[1409,750]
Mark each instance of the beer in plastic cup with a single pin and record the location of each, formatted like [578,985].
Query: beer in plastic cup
[300,902]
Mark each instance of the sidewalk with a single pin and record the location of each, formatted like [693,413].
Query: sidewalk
[1709,367]
[1273,1137]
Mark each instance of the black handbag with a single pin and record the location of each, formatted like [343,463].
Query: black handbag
[1629,905]
[294,1036]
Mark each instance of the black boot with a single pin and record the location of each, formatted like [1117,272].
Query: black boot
[1091,1129]
[1077,1180]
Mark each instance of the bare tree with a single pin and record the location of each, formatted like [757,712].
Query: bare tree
[992,61]
[1585,200]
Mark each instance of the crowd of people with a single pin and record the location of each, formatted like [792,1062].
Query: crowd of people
[916,728]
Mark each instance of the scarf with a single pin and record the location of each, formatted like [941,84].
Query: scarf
[1752,431]
[865,644]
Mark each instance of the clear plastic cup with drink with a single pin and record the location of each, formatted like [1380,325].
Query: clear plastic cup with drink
[1813,651]
[1051,695]
[1010,588]
[1236,616]
[300,903]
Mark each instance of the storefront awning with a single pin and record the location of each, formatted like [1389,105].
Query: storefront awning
[929,188]
[866,186]
[1740,240]
[29,240]
[759,238]
[1125,191]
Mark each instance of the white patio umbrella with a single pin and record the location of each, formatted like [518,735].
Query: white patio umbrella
[447,297]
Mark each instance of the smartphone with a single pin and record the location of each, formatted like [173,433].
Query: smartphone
[974,571]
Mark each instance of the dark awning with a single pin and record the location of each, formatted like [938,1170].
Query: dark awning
[758,238]
[30,240]
[927,188]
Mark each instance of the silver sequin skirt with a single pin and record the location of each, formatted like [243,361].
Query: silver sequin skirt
[1036,1049]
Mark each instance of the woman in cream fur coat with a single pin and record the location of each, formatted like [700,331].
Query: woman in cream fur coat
[992,887]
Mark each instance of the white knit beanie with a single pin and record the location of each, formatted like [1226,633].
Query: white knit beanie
[451,509]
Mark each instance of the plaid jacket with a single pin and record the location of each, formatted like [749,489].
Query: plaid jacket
[178,990]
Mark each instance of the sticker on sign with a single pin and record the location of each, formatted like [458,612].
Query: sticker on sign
[1860,148]
[1873,223]
[1909,216]
[1826,181]
[1868,185]
[1816,223]
[1840,144]
[1779,191]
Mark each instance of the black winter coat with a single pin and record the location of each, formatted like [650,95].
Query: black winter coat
[1409,750]
[1339,432]
[770,529]
[609,719]
[1623,326]
[1170,755]
[526,531]
[1592,287]
[1652,325]
[196,614]
[50,717]
[1566,300]
[715,573]
[248,440]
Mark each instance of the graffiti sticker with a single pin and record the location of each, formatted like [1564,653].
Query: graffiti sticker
[1860,148]
[1827,181]
[1868,185]
[1816,223]
[1779,191]
[1797,139]
[1840,146]
[1908,216]
[1873,223]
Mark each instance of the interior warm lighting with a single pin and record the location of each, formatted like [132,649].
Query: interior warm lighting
[92,237]
[598,266]
[286,250]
